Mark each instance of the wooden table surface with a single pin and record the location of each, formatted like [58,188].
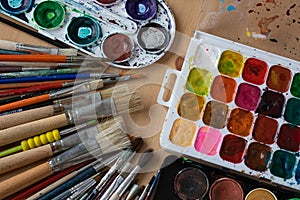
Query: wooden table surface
[148,123]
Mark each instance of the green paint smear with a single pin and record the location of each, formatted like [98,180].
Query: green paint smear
[283,164]
[231,63]
[292,111]
[199,81]
[49,14]
[295,88]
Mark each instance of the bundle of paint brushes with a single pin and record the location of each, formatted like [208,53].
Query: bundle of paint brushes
[58,131]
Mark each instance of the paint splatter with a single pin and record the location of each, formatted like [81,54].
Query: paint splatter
[273,40]
[271,1]
[264,23]
[231,8]
[288,12]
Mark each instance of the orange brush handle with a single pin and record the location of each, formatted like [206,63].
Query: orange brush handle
[24,102]
[34,58]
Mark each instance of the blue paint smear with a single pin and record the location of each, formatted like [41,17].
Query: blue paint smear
[231,8]
[222,1]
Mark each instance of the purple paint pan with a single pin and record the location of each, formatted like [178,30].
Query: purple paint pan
[141,9]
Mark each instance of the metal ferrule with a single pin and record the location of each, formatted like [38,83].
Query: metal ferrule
[31,48]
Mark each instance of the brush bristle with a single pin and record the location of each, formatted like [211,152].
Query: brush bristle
[145,157]
[131,102]
[113,138]
[96,84]
[115,91]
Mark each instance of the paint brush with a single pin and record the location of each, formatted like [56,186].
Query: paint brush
[51,58]
[5,51]
[15,46]
[42,185]
[45,138]
[127,103]
[61,105]
[65,92]
[33,175]
[24,158]
[143,160]
[28,84]
[39,72]
[146,189]
[152,187]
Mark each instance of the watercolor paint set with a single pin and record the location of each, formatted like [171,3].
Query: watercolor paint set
[127,33]
[182,178]
[236,107]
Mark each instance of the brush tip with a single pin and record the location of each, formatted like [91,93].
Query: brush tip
[145,158]
[67,52]
[135,76]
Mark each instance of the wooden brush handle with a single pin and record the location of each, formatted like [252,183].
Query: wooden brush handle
[24,158]
[24,179]
[30,129]
[14,119]
[24,102]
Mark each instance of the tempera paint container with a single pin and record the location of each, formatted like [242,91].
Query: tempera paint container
[191,184]
[84,31]
[141,9]
[16,6]
[118,47]
[153,37]
[236,107]
[49,14]
[260,193]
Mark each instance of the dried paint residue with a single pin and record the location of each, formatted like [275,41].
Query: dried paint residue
[231,63]
[264,23]
[255,71]
[292,111]
[208,141]
[295,88]
[183,132]
[199,81]
[258,156]
[289,138]
[279,78]
[271,104]
[283,164]
[215,114]
[240,122]
[247,96]
[265,129]
[233,148]
[223,89]
[190,106]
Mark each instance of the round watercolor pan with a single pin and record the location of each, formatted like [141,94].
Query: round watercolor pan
[260,193]
[191,183]
[15,7]
[117,47]
[141,9]
[49,14]
[83,31]
[112,18]
[236,106]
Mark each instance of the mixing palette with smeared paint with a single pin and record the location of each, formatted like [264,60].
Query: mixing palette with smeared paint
[141,31]
[237,107]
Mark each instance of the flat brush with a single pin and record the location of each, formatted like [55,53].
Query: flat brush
[24,158]
[33,175]
[143,160]
[128,103]
[15,46]
[60,105]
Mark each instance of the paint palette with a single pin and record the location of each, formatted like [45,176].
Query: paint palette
[182,178]
[128,33]
[238,107]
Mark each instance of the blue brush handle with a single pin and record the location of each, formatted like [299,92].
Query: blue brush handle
[70,183]
[45,78]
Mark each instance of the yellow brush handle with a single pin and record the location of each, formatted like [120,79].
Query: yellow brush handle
[20,132]
[40,140]
[24,158]
[23,180]
[14,119]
